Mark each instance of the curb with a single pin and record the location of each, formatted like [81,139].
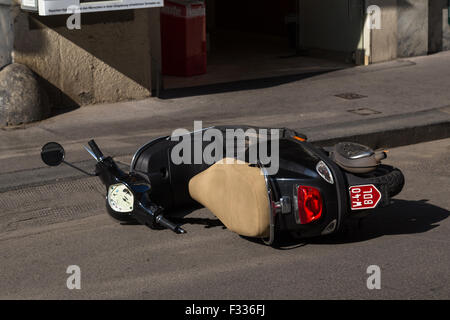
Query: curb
[382,132]
[386,132]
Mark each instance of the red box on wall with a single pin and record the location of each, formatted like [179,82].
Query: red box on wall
[183,38]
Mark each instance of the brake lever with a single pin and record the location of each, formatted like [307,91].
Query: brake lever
[91,153]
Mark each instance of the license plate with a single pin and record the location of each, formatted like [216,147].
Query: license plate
[364,197]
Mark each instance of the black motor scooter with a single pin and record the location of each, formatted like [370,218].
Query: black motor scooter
[312,193]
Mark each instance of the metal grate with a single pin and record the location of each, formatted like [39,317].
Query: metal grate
[350,96]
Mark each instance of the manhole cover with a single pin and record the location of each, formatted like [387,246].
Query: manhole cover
[364,111]
[350,96]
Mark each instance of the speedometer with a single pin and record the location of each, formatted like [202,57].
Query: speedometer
[120,198]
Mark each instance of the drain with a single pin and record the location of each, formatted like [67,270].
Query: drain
[350,96]
[364,111]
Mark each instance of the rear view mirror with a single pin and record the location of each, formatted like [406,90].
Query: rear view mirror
[52,154]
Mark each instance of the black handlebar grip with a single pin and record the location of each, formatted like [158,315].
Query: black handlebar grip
[95,149]
[169,225]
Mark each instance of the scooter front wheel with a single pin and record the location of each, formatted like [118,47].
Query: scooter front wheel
[386,175]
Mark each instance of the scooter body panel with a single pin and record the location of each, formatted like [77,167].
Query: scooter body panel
[308,177]
[297,166]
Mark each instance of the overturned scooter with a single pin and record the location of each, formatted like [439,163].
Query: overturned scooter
[313,191]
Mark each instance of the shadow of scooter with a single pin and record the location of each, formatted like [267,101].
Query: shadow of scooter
[180,217]
[401,217]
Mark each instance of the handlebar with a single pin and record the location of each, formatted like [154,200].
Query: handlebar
[161,220]
[95,149]
[114,171]
[169,225]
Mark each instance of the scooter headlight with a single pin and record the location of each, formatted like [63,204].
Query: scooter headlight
[325,172]
[120,198]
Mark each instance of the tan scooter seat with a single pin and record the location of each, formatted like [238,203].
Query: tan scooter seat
[237,194]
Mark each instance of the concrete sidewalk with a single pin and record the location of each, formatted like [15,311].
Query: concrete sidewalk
[397,103]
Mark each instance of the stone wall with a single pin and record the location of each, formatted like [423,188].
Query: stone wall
[383,42]
[412,27]
[6,32]
[116,56]
[108,60]
[408,28]
[446,30]
[422,27]
[439,28]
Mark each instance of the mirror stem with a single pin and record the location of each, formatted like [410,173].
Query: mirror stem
[79,169]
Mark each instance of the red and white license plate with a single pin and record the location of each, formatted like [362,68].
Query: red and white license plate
[364,197]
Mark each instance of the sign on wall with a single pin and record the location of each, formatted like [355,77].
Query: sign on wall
[30,5]
[56,7]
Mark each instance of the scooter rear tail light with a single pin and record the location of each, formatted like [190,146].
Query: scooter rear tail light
[310,204]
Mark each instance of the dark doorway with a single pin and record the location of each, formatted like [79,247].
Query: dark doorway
[254,39]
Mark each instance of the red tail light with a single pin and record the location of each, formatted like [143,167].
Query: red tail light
[309,204]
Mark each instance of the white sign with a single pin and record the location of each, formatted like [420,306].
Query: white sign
[55,7]
[29,5]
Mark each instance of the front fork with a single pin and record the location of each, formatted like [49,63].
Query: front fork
[146,213]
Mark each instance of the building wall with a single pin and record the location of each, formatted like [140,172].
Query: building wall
[106,61]
[408,28]
[445,29]
[6,32]
[439,28]
[116,56]
[334,25]
[435,25]
[339,25]
[412,34]
[383,42]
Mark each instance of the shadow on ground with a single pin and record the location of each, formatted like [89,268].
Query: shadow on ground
[180,217]
[241,85]
[400,218]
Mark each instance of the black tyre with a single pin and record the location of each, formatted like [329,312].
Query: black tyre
[386,175]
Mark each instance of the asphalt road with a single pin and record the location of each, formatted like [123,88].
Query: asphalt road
[44,229]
